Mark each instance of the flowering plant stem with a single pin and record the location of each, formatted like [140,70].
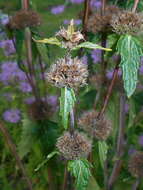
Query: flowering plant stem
[135,5]
[120,144]
[13,148]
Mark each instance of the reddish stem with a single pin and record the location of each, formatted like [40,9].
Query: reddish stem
[135,5]
[25,4]
[86,15]
[109,92]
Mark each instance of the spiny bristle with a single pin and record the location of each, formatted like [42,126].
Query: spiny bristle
[136,164]
[68,72]
[98,128]
[126,22]
[101,23]
[25,18]
[74,146]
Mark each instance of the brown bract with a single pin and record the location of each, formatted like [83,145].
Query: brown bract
[136,164]
[101,23]
[68,72]
[126,22]
[74,146]
[98,128]
[25,18]
[69,39]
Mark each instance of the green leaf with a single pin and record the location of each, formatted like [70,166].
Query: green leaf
[52,41]
[103,149]
[67,101]
[90,45]
[80,169]
[130,51]
[27,137]
[49,156]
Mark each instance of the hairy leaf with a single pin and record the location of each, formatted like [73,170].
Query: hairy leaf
[103,148]
[130,51]
[80,169]
[67,101]
[90,45]
[52,41]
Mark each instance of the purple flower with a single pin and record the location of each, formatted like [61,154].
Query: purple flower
[76,22]
[12,115]
[52,100]
[10,71]
[95,4]
[25,87]
[85,59]
[140,141]
[141,69]
[58,9]
[77,1]
[8,47]
[4,20]
[109,74]
[127,108]
[96,55]
[29,100]
[131,150]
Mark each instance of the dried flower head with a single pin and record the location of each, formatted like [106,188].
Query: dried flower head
[68,72]
[136,164]
[39,110]
[126,22]
[74,146]
[99,128]
[70,38]
[101,23]
[25,18]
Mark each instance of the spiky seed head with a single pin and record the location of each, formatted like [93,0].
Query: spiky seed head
[74,146]
[98,128]
[136,164]
[39,111]
[101,23]
[68,72]
[126,22]
[70,38]
[25,18]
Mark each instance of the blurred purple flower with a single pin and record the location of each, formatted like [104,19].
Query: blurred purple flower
[131,150]
[12,115]
[25,87]
[58,9]
[95,4]
[8,47]
[52,100]
[140,141]
[127,108]
[109,74]
[29,100]
[77,1]
[10,71]
[141,69]
[85,59]
[96,55]
[76,22]
[4,20]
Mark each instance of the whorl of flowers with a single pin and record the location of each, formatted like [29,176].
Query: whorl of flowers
[99,128]
[74,146]
[70,38]
[25,18]
[136,164]
[68,72]
[101,23]
[126,22]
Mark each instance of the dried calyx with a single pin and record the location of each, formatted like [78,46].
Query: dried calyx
[74,146]
[25,18]
[102,23]
[136,164]
[70,38]
[100,128]
[126,22]
[68,72]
